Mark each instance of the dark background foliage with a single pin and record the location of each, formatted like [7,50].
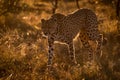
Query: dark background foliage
[23,49]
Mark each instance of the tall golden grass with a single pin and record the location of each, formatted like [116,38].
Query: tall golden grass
[23,50]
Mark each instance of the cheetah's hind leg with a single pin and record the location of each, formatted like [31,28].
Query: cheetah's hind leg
[99,46]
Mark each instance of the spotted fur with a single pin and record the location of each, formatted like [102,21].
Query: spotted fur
[65,28]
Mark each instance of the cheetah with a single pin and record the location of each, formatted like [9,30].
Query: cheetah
[64,28]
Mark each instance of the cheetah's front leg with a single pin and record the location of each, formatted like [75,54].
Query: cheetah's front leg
[72,52]
[50,50]
[84,39]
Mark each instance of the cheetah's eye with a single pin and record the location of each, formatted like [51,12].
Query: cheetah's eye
[55,19]
[42,20]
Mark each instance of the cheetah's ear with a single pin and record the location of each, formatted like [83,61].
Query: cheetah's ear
[42,20]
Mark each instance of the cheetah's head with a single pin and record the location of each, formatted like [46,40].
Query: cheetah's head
[50,26]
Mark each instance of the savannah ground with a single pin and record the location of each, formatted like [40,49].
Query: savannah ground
[23,50]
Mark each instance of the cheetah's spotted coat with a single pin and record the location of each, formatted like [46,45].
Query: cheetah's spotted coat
[65,28]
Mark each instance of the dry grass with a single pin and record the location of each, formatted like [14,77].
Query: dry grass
[23,50]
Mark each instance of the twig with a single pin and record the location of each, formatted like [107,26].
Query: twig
[117,8]
[118,15]
[77,4]
[55,5]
